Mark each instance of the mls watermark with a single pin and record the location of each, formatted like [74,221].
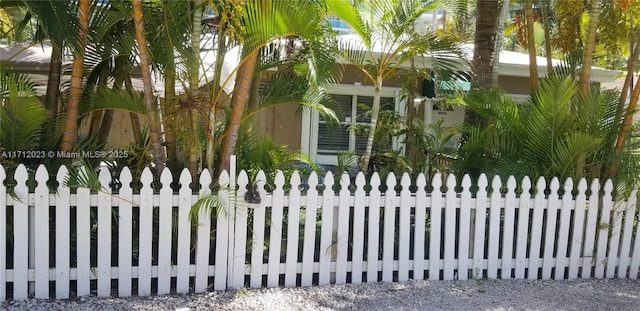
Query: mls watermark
[42,154]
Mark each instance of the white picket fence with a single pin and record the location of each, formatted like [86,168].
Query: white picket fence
[64,243]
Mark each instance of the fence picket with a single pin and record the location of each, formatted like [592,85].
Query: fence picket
[203,239]
[635,255]
[388,229]
[449,228]
[293,228]
[588,259]
[404,229]
[125,239]
[275,235]
[41,213]
[257,245]
[625,248]
[373,229]
[553,202]
[3,235]
[480,220]
[342,237]
[327,248]
[184,233]
[240,237]
[146,233]
[604,226]
[522,233]
[508,228]
[104,234]
[435,217]
[463,229]
[562,238]
[20,235]
[309,243]
[419,228]
[536,230]
[495,213]
[614,238]
[578,230]
[83,239]
[165,230]
[358,230]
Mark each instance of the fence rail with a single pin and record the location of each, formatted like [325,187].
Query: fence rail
[77,242]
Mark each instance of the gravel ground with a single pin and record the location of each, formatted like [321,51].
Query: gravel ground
[413,295]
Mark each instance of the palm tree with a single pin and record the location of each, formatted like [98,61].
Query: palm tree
[589,46]
[71,122]
[531,45]
[388,41]
[149,99]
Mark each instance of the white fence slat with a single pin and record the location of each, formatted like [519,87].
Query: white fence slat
[358,230]
[614,238]
[165,230]
[539,204]
[20,235]
[373,229]
[231,218]
[241,215]
[62,235]
[257,243]
[578,230]
[125,224]
[553,203]
[523,229]
[588,259]
[344,209]
[450,228]
[625,248]
[146,231]
[203,242]
[293,228]
[3,235]
[326,231]
[635,255]
[309,244]
[41,211]
[479,228]
[404,229]
[184,233]
[275,232]
[419,228]
[388,229]
[508,229]
[83,240]
[495,213]
[435,217]
[562,238]
[603,230]
[463,229]
[104,234]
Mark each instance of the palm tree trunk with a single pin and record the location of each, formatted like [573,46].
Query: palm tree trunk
[375,110]
[221,51]
[547,34]
[53,83]
[75,89]
[624,131]
[531,45]
[149,102]
[168,110]
[239,101]
[632,62]
[194,80]
[589,46]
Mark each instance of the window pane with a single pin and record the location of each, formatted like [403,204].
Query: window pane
[331,140]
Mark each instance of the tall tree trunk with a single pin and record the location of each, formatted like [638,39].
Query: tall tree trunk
[632,63]
[149,100]
[168,110]
[69,132]
[544,5]
[589,46]
[483,51]
[221,51]
[52,99]
[375,110]
[531,45]
[194,81]
[624,131]
[239,101]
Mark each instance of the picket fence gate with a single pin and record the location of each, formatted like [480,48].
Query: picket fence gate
[63,244]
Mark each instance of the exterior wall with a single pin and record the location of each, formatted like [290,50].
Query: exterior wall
[121,132]
[283,123]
